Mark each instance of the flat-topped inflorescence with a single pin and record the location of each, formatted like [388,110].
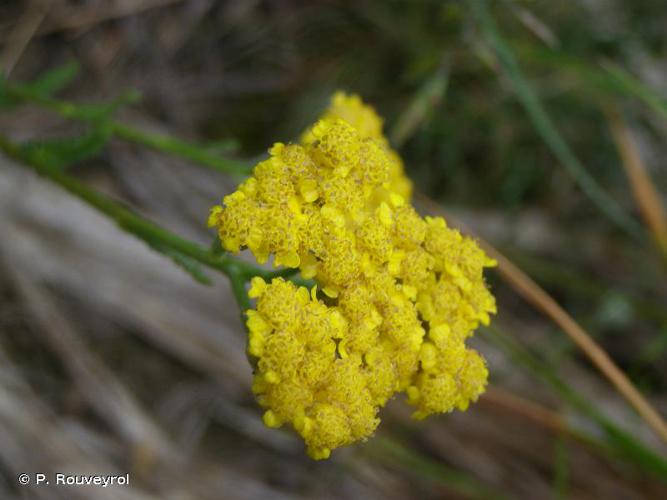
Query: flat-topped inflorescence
[396,297]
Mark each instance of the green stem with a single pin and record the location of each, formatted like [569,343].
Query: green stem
[155,236]
[167,144]
[546,128]
[157,142]
[238,281]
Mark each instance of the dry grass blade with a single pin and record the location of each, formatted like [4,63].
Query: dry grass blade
[528,410]
[542,301]
[643,188]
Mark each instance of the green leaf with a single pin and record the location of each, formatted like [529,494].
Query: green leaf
[188,264]
[183,251]
[100,112]
[61,153]
[172,145]
[55,80]
[45,86]
[223,147]
[95,112]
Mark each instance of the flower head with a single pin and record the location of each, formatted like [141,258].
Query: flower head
[399,294]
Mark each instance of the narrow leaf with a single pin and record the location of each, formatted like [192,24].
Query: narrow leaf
[55,80]
[188,264]
[63,152]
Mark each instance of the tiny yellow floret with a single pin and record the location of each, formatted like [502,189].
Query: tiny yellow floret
[257,287]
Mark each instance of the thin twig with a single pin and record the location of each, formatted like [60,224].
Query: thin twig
[541,300]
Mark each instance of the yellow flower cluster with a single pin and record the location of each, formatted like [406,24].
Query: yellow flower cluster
[399,294]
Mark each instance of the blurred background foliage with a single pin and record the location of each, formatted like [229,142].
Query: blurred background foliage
[507,113]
